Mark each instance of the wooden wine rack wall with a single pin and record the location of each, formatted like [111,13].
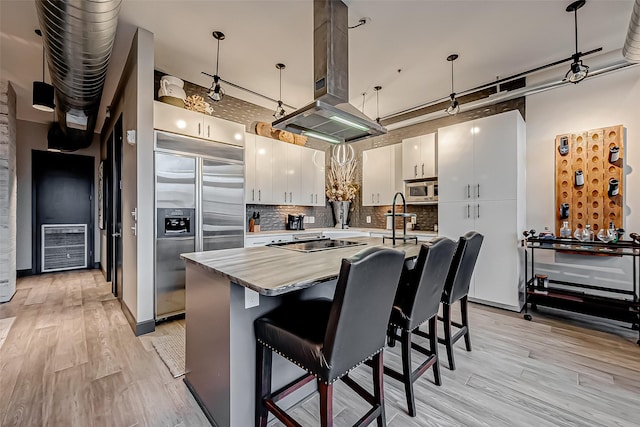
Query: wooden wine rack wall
[590,203]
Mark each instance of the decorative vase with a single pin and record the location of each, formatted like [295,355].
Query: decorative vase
[341,213]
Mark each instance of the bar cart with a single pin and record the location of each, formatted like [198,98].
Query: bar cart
[624,306]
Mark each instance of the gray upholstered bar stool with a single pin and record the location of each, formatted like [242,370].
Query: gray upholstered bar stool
[457,288]
[330,338]
[417,301]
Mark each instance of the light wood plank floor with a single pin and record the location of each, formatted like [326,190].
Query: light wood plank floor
[69,358]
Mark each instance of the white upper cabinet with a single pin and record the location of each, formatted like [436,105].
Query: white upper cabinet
[313,177]
[455,162]
[185,122]
[381,175]
[177,120]
[419,157]
[279,173]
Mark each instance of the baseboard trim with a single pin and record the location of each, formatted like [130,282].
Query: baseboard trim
[97,266]
[139,328]
[24,273]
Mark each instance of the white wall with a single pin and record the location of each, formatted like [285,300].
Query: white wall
[134,100]
[594,103]
[33,136]
[8,194]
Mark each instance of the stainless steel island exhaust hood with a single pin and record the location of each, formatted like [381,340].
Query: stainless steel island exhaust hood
[330,117]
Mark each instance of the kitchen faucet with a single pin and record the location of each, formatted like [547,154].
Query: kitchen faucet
[404,216]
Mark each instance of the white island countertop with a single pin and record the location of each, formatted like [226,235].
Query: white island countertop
[274,271]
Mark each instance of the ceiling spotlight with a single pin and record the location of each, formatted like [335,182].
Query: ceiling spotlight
[454,106]
[279,113]
[578,70]
[43,92]
[215,91]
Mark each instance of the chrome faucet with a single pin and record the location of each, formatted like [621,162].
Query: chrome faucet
[404,216]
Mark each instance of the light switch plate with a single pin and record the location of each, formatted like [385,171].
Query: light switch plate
[251,298]
[368,219]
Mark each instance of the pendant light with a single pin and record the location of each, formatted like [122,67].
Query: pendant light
[377,89]
[215,91]
[279,109]
[454,106]
[42,92]
[578,71]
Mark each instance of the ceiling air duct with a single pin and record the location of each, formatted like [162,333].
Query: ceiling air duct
[79,38]
[330,117]
[631,49]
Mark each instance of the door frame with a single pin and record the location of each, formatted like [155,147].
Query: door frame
[39,160]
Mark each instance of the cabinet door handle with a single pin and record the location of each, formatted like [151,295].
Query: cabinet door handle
[285,197]
[253,195]
[316,199]
[423,169]
[478,210]
[199,129]
[312,198]
[378,197]
[478,191]
[208,131]
[372,200]
[259,195]
[415,170]
[290,197]
[468,211]
[468,191]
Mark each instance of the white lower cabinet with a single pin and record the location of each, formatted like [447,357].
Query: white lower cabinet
[481,188]
[262,240]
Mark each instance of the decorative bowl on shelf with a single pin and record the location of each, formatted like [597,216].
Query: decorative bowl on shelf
[178,102]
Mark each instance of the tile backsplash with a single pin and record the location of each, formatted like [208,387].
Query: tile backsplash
[274,218]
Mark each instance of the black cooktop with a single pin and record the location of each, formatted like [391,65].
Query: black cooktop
[316,245]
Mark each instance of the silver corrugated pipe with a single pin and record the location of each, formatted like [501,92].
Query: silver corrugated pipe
[631,49]
[79,36]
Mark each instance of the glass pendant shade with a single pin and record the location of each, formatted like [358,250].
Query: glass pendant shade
[342,154]
[43,97]
[454,106]
[577,72]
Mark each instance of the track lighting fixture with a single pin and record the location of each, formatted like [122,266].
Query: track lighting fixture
[43,92]
[578,71]
[215,91]
[454,106]
[279,113]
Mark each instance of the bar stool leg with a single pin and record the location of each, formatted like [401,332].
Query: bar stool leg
[378,387]
[407,371]
[263,382]
[433,344]
[465,322]
[446,315]
[326,404]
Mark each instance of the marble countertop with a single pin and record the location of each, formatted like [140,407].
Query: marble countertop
[274,271]
[365,230]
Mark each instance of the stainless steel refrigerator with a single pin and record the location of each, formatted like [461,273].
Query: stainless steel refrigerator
[199,207]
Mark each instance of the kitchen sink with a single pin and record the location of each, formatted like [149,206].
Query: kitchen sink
[317,245]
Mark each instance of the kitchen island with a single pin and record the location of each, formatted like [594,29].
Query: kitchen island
[222,288]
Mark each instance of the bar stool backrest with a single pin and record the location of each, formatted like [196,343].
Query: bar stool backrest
[361,307]
[461,271]
[431,271]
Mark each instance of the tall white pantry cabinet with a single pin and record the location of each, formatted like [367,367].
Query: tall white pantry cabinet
[481,179]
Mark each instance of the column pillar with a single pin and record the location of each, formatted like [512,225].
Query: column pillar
[7,191]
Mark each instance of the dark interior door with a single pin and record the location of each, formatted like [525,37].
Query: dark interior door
[116,230]
[108,211]
[62,194]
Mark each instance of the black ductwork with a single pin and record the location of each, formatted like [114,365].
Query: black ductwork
[78,36]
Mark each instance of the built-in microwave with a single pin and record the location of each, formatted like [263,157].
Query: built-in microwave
[421,192]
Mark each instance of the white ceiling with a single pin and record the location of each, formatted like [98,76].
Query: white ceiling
[493,38]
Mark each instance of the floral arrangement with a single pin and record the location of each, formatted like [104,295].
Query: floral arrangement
[340,182]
